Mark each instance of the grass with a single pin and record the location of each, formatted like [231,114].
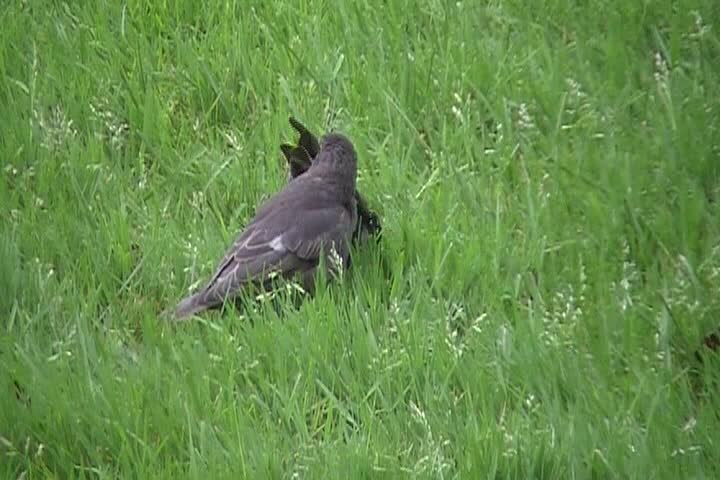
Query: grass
[548,176]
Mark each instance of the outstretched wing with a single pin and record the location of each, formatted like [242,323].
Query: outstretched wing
[307,140]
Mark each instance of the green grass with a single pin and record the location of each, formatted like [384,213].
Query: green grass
[548,176]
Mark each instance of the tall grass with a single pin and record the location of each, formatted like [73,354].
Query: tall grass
[548,175]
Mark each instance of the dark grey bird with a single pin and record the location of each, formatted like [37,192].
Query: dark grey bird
[301,156]
[308,223]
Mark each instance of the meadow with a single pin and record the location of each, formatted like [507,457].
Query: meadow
[548,177]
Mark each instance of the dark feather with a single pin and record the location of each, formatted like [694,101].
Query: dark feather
[314,216]
[299,159]
[307,140]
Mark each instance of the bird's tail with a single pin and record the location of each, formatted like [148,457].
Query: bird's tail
[187,308]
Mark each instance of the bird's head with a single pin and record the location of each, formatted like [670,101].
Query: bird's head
[337,160]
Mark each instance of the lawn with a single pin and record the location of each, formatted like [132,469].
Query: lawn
[548,177]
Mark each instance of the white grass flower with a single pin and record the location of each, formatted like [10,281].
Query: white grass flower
[662,71]
[629,277]
[56,129]
[337,266]
[457,108]
[525,121]
[575,89]
[701,28]
[113,129]
[457,113]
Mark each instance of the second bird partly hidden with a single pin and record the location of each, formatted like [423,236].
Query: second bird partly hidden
[311,222]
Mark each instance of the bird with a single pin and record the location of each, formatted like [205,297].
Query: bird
[309,223]
[300,158]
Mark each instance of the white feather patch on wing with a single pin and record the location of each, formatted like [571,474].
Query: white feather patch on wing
[277,244]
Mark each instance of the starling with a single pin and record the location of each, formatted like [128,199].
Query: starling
[299,159]
[312,217]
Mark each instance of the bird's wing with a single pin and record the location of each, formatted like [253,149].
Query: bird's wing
[305,192]
[319,230]
[297,158]
[368,222]
[281,242]
[307,140]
